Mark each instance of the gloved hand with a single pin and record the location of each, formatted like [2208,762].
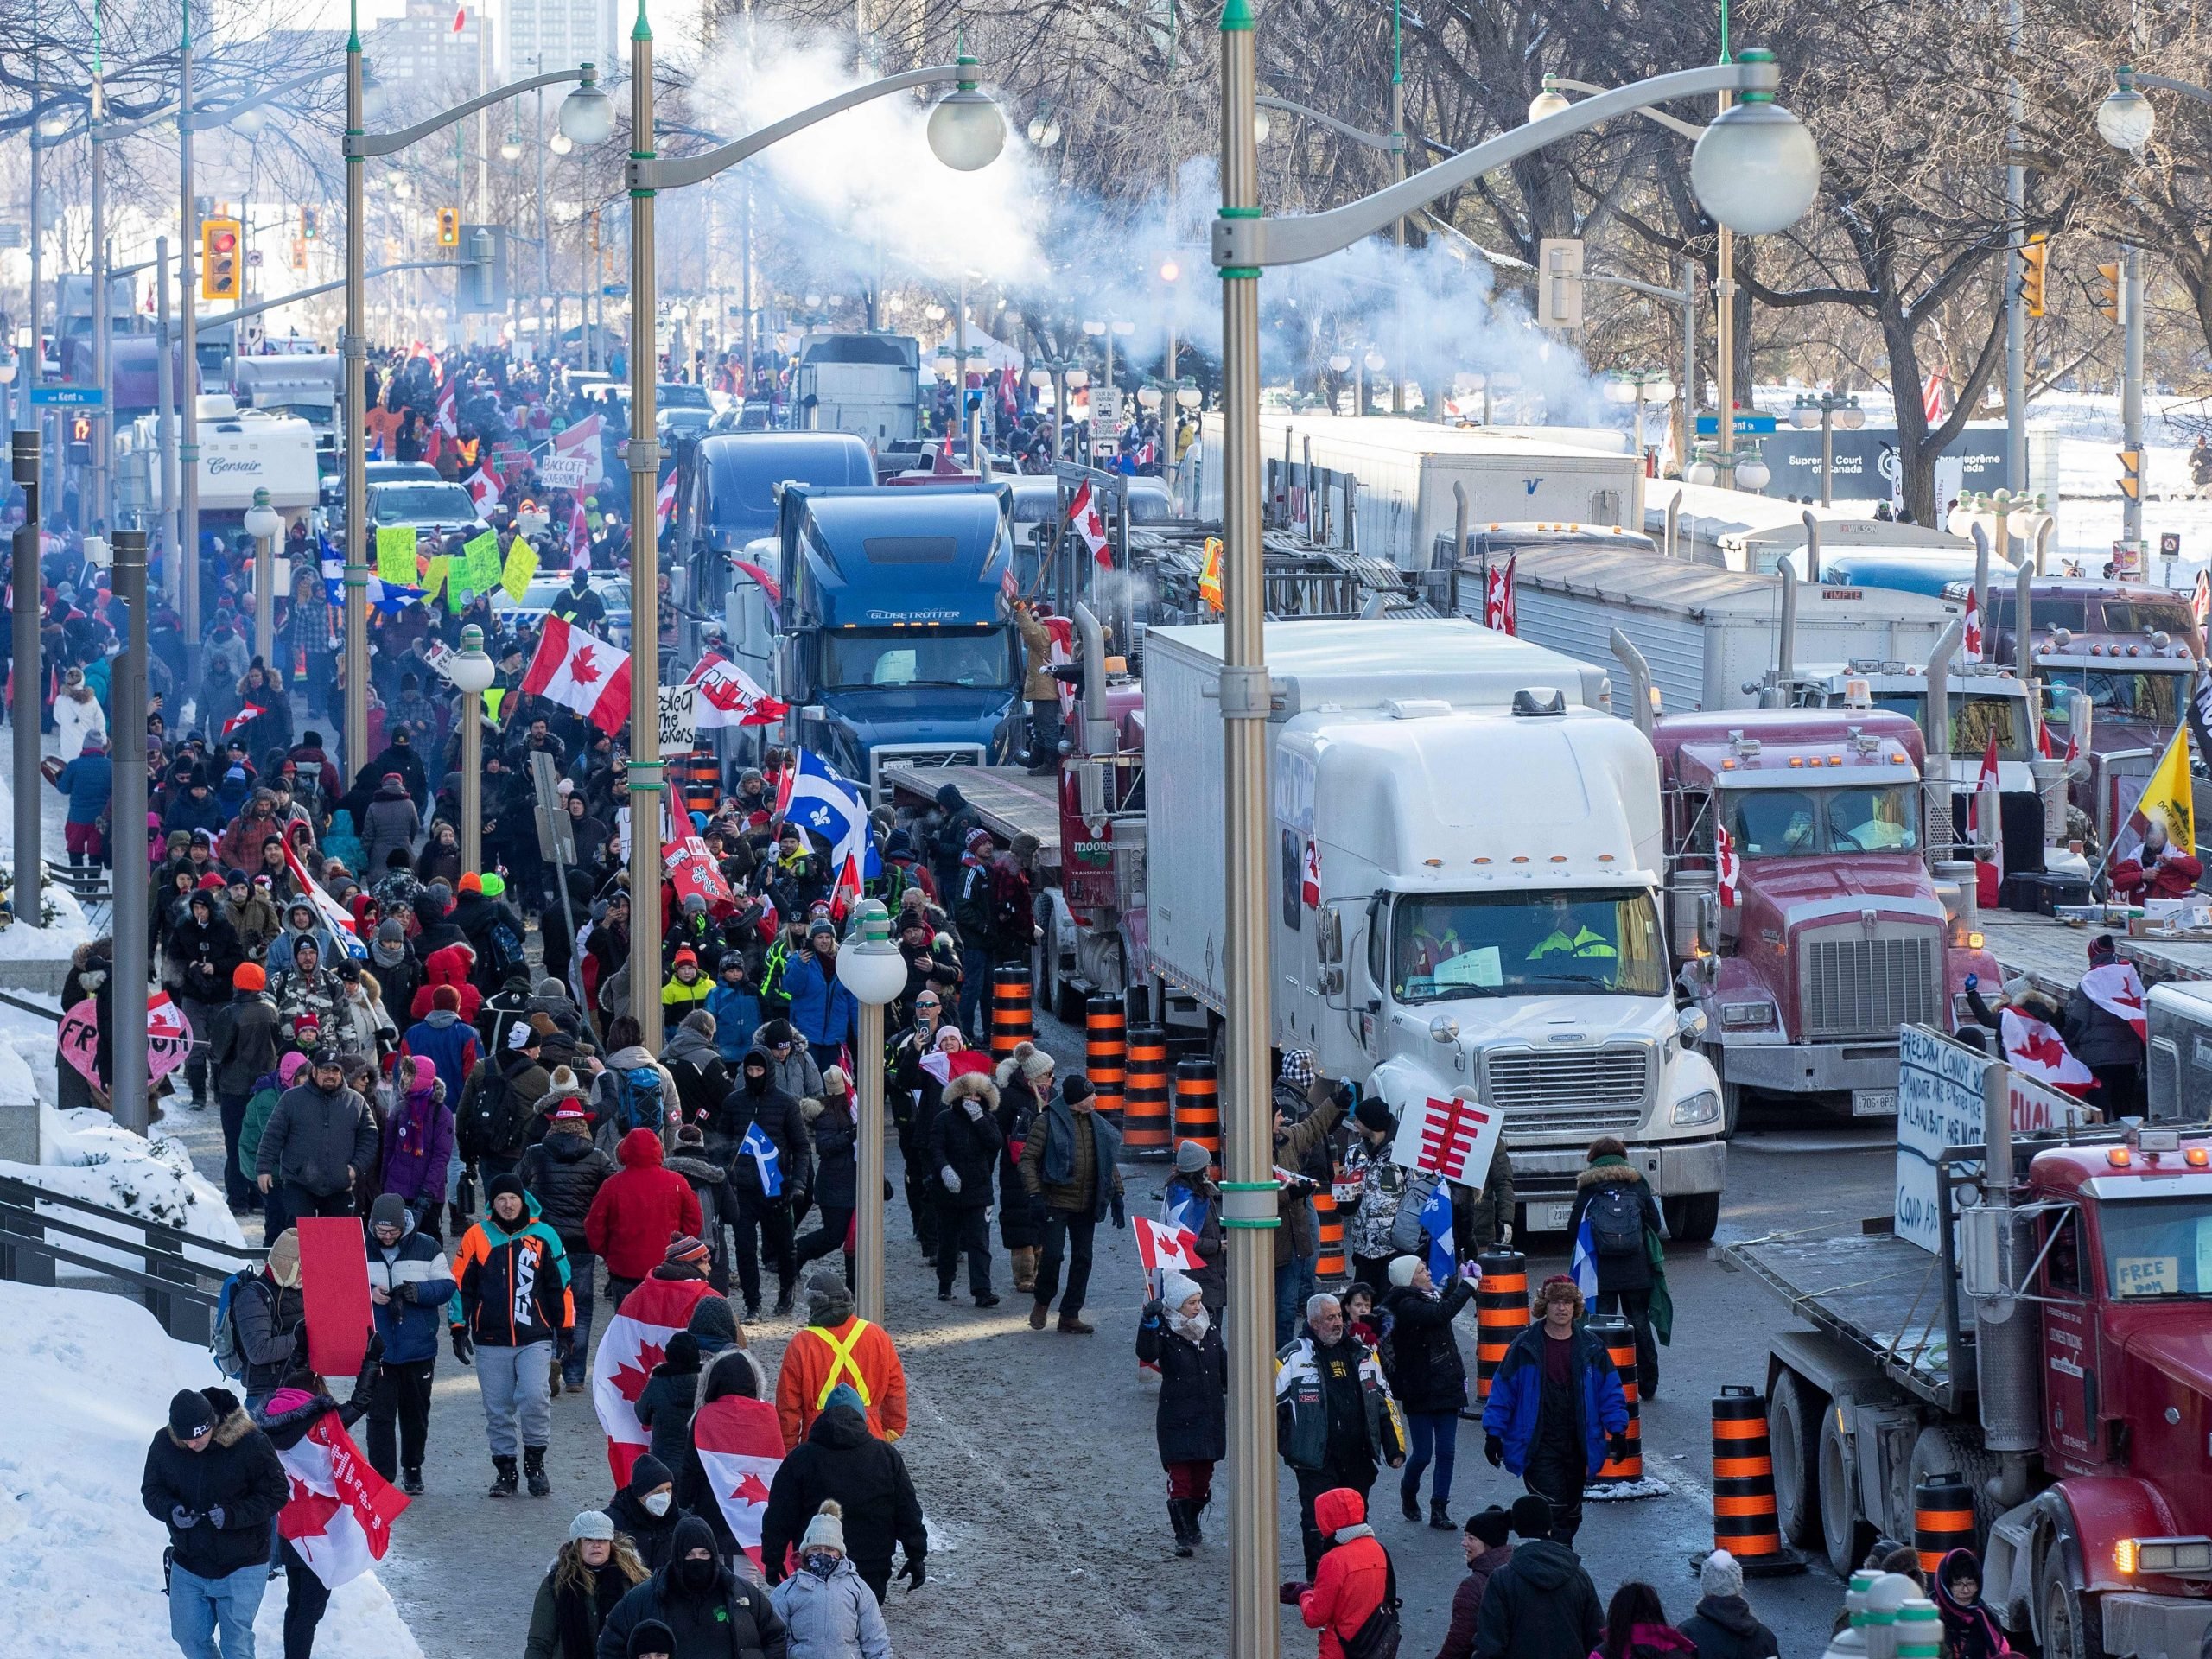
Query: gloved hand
[1617,1447]
[462,1347]
[1494,1449]
[1121,1213]
[1505,1232]
[1155,1312]
[1973,982]
[948,1179]
[915,1573]
[182,1519]
[215,1517]
[1290,1591]
[974,1109]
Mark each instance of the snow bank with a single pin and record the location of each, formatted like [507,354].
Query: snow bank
[53,942]
[89,1381]
[86,1155]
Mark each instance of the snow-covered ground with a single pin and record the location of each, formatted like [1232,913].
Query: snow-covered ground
[21,941]
[89,1381]
[84,1154]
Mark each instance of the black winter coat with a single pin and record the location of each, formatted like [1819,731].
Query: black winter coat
[268,1318]
[2098,1036]
[238,1473]
[1723,1628]
[840,1458]
[837,1145]
[731,1620]
[1021,1214]
[1541,1605]
[780,1118]
[1425,1369]
[1617,1273]
[203,955]
[1192,1421]
[564,1172]
[243,1042]
[972,1146]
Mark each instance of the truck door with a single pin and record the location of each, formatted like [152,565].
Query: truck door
[2069,1343]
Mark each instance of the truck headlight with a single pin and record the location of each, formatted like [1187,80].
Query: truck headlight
[1703,1107]
[2167,1557]
[1747,1016]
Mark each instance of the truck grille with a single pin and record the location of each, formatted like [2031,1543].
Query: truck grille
[1866,987]
[1589,1092]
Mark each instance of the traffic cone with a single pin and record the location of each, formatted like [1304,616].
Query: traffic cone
[1745,1521]
[1144,1113]
[1942,1519]
[1012,1023]
[1106,1033]
[1501,1313]
[1621,1479]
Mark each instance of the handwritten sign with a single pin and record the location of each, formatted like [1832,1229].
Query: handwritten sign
[169,1038]
[679,718]
[691,868]
[522,565]
[564,472]
[2145,1275]
[480,553]
[396,554]
[440,655]
[1939,1105]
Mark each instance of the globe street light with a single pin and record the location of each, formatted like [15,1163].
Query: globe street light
[875,970]
[1635,388]
[472,673]
[2126,119]
[264,525]
[1828,411]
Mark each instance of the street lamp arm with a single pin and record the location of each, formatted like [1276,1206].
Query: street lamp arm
[654,173]
[1247,243]
[1690,129]
[1372,140]
[361,145]
[2167,84]
[204,119]
[222,318]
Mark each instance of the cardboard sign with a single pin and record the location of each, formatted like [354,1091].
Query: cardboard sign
[522,565]
[169,1039]
[334,1284]
[396,554]
[564,472]
[691,868]
[435,584]
[482,556]
[1454,1138]
[440,655]
[679,718]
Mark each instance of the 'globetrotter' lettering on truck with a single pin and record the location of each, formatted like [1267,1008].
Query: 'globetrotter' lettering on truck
[947,615]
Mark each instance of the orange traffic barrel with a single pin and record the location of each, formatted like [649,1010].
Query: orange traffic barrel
[1011,1020]
[1331,1263]
[1501,1312]
[1197,1107]
[1745,1521]
[1618,1337]
[1106,1030]
[1943,1518]
[699,775]
[1144,1118]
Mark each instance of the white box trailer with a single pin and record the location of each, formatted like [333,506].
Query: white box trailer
[1405,471]
[1706,633]
[1735,530]
[1450,794]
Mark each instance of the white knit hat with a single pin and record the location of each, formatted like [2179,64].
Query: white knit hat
[827,1530]
[1402,1268]
[593,1523]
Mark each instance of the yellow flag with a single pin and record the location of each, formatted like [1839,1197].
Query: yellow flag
[2166,809]
[522,565]
[396,554]
[1210,574]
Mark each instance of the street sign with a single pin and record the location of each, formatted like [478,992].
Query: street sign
[69,397]
[253,258]
[616,290]
[556,840]
[1709,426]
[11,234]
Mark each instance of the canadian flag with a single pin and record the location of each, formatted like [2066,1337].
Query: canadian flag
[484,489]
[1161,1247]
[1972,645]
[2034,1048]
[664,502]
[340,1514]
[448,417]
[1083,514]
[579,537]
[1309,882]
[1497,598]
[636,1340]
[1728,867]
[1981,809]
[249,712]
[582,439]
[460,18]
[582,672]
[741,1444]
[1061,655]
[2118,989]
[727,695]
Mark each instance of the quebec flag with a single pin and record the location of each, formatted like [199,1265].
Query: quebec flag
[1436,1221]
[766,1159]
[1585,1260]
[820,798]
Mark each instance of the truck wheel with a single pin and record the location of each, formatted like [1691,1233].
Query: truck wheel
[1844,1536]
[1794,1436]
[1941,1450]
[2072,1629]
[1693,1217]
[1732,1108]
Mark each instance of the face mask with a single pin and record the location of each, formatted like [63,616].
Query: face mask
[820,1562]
[657,1502]
[697,1576]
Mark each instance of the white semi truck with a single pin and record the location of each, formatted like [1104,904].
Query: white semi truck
[1466,859]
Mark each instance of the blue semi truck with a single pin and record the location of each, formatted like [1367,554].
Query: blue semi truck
[895,647]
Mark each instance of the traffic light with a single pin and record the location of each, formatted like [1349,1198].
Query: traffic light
[307,225]
[2108,291]
[2131,474]
[448,227]
[80,441]
[220,255]
[2034,260]
[299,253]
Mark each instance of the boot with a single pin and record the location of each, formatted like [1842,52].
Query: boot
[1070,1326]
[1439,1515]
[504,1481]
[784,1299]
[533,1464]
[1409,1501]
[1024,1268]
[1194,1509]
[1038,1310]
[410,1482]
[1178,1518]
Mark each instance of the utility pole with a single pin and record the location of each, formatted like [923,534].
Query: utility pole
[1398,225]
[648,785]
[2131,395]
[23,710]
[188,446]
[2016,232]
[164,411]
[127,756]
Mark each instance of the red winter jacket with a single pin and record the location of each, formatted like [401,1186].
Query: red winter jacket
[449,966]
[641,1206]
[1353,1577]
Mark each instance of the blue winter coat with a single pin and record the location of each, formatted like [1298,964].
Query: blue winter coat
[88,781]
[421,1283]
[736,1009]
[1516,1396]
[823,1010]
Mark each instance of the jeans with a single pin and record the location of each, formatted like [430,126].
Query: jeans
[764,1221]
[1434,1434]
[514,1382]
[968,1227]
[1064,1229]
[399,1416]
[583,1267]
[826,1237]
[298,1202]
[1045,727]
[1293,1285]
[1635,1306]
[306,1599]
[200,1607]
[975,981]
[1312,1483]
[236,1188]
[201,1016]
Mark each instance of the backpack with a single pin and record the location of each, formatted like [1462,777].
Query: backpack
[503,945]
[1377,1638]
[496,1119]
[222,1338]
[637,1100]
[1616,1219]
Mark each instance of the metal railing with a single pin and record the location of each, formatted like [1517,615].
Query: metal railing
[178,1275]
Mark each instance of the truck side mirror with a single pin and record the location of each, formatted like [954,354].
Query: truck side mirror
[1689,1025]
[1329,940]
[1989,1248]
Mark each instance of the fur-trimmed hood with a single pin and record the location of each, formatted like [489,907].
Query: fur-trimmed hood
[1609,1174]
[972,1085]
[233,1421]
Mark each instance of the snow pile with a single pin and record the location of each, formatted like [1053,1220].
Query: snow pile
[89,1381]
[57,939]
[86,1155]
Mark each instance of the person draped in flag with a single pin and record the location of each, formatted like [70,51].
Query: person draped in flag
[1179,1338]
[836,1345]
[215,1480]
[1625,1232]
[2105,1026]
[1192,1203]
[1556,1411]
[732,1448]
[1039,688]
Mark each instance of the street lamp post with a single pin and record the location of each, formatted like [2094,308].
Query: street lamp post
[472,673]
[1755,170]
[966,132]
[872,969]
[1635,388]
[127,758]
[1828,411]
[264,525]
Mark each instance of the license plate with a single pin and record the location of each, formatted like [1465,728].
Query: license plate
[1873,1102]
[1554,1217]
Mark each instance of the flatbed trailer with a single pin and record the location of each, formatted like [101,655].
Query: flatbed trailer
[1009,801]
[2055,954]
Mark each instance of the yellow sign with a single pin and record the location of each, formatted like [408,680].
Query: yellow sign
[522,565]
[435,584]
[492,699]
[396,555]
[483,561]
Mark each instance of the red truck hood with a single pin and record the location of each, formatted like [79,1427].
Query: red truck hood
[1796,891]
[2182,1356]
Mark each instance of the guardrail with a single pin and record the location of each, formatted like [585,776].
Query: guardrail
[178,1275]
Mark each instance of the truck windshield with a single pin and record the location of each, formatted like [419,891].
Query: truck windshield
[423,504]
[1806,823]
[1462,945]
[2154,699]
[2157,1247]
[1974,720]
[973,657]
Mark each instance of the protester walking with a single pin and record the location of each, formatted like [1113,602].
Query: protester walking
[1069,1162]
[963,1147]
[1724,1626]
[410,1282]
[828,1607]
[841,1461]
[1625,1235]
[836,1346]
[1335,1419]
[213,1480]
[1555,1410]
[514,1314]
[1421,1358]
[317,1142]
[1541,1605]
[592,1571]
[1176,1335]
